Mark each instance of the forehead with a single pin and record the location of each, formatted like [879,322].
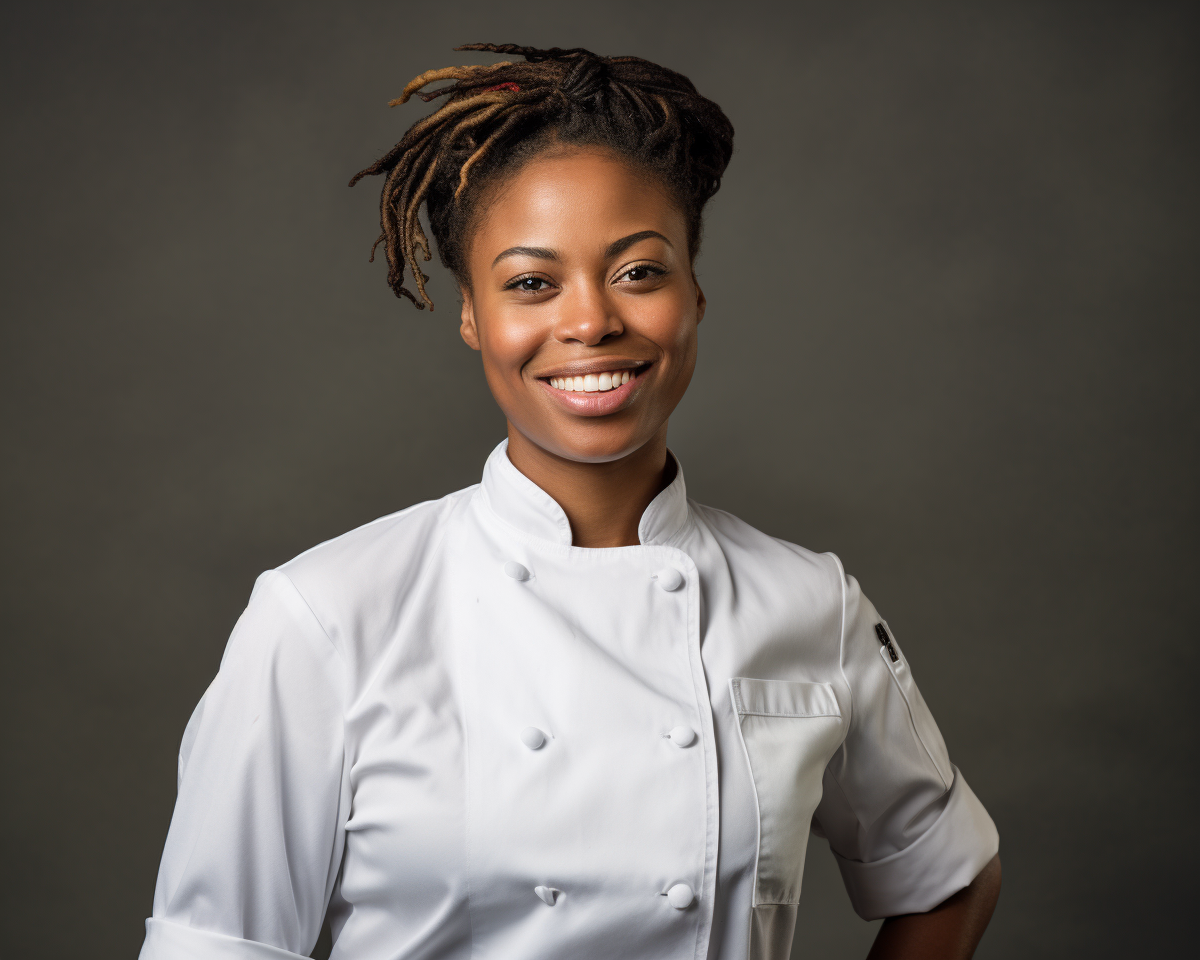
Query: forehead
[576,198]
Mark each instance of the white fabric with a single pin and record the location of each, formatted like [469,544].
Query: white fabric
[361,751]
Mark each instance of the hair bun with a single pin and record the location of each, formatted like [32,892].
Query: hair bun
[498,116]
[585,78]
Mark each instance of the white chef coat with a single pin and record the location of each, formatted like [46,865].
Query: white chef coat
[465,737]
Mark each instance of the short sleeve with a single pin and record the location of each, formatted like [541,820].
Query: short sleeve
[255,840]
[904,826]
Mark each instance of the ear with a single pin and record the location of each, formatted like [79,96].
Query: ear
[468,330]
[701,303]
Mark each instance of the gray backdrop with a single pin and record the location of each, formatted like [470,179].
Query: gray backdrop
[951,335]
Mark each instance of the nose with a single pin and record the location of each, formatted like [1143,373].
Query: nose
[587,317]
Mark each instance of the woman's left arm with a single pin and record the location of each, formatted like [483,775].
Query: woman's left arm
[912,840]
[950,931]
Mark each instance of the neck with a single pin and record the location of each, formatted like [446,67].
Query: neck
[603,501]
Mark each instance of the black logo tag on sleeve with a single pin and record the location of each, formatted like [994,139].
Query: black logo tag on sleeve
[882,634]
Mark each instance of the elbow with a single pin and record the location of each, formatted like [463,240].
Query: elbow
[989,879]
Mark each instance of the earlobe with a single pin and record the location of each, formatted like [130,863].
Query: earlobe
[701,303]
[467,329]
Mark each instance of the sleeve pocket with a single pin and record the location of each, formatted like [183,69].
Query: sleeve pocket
[923,723]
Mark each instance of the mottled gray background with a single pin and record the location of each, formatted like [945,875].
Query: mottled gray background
[952,285]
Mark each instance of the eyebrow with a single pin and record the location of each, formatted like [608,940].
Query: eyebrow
[617,247]
[614,249]
[541,253]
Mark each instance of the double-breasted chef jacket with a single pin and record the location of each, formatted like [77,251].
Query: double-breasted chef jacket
[465,737]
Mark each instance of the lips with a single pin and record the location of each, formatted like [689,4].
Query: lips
[596,392]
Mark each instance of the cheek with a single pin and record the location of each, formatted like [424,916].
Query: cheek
[506,345]
[674,328]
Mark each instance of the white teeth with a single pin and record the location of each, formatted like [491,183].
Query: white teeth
[592,382]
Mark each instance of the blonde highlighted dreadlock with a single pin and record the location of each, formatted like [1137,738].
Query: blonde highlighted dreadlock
[498,116]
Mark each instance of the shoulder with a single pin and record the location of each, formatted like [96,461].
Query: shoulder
[377,548]
[366,573]
[770,559]
[736,535]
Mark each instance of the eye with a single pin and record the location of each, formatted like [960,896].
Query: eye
[640,273]
[530,283]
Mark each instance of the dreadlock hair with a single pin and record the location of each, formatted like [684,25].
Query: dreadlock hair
[497,117]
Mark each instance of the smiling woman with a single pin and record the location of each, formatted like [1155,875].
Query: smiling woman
[587,325]
[567,712]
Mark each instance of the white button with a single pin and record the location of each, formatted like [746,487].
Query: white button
[547,895]
[680,896]
[516,571]
[682,736]
[533,738]
[669,578]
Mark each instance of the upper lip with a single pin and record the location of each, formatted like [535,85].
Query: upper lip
[581,368]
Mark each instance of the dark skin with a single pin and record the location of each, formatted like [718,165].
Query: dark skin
[578,265]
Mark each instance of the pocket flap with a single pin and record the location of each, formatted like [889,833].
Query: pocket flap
[783,698]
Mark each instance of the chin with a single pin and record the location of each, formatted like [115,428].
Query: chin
[592,445]
[596,452]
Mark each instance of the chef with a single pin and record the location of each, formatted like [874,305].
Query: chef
[566,712]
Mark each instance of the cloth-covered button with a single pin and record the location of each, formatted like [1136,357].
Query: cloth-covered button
[682,736]
[533,738]
[516,571]
[548,895]
[680,896]
[669,578]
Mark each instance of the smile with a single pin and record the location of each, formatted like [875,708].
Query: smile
[593,382]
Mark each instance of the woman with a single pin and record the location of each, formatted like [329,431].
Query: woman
[566,712]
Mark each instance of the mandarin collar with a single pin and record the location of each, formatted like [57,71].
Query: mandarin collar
[522,503]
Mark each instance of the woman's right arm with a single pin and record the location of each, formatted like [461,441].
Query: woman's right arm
[255,839]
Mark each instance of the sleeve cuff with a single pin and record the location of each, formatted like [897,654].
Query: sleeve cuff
[174,941]
[946,858]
